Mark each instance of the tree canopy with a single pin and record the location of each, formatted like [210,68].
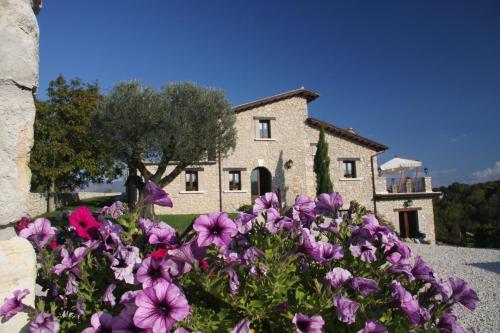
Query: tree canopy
[65,155]
[180,125]
[471,209]
[322,165]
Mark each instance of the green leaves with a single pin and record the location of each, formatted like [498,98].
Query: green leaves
[322,165]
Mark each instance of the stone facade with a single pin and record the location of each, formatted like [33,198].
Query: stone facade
[288,155]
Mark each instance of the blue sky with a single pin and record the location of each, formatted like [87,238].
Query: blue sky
[421,77]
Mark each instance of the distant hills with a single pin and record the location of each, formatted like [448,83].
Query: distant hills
[469,215]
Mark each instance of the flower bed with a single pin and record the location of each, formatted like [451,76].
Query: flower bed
[272,269]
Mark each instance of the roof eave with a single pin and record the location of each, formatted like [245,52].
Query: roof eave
[309,95]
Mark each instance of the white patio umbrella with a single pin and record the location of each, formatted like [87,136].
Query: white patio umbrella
[400,164]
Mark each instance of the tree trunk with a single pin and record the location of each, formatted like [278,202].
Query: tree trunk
[51,201]
[147,211]
[131,187]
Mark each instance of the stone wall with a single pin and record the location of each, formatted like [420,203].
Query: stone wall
[385,208]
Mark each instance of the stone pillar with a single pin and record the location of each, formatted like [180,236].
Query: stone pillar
[427,184]
[18,82]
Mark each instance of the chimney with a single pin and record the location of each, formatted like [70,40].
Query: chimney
[351,130]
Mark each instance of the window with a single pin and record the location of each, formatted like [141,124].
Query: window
[264,128]
[349,169]
[235,180]
[191,180]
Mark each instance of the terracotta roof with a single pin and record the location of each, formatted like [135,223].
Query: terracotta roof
[309,95]
[346,134]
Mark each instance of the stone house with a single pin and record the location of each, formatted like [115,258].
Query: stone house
[275,149]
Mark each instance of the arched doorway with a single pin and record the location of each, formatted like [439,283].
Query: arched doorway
[261,182]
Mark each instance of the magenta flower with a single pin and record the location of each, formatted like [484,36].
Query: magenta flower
[159,307]
[338,276]
[13,305]
[153,271]
[157,196]
[39,232]
[406,302]
[165,235]
[108,297]
[264,202]
[242,327]
[328,204]
[303,209]
[305,324]
[215,228]
[44,323]
[346,309]
[463,293]
[372,326]
[101,322]
[365,286]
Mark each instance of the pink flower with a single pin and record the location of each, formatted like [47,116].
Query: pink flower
[215,228]
[13,305]
[39,232]
[84,223]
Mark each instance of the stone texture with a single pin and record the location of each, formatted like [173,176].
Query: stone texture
[18,80]
[17,271]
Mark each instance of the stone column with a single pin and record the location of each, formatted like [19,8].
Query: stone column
[18,82]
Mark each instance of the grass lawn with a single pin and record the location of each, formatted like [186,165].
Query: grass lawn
[179,221]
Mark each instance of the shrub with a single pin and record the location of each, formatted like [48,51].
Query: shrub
[299,269]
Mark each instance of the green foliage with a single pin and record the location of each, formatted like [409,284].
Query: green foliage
[322,165]
[63,150]
[469,209]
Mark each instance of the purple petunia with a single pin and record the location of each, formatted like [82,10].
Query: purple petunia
[108,297]
[157,196]
[115,210]
[244,222]
[13,305]
[365,251]
[264,202]
[463,293]
[346,309]
[39,232]
[328,252]
[305,324]
[153,271]
[234,282]
[275,222]
[124,261]
[406,302]
[70,262]
[242,327]
[372,326]
[251,254]
[186,256]
[308,244]
[101,322]
[421,271]
[448,323]
[110,234]
[44,323]
[215,228]
[303,209]
[164,235]
[160,307]
[338,276]
[124,322]
[365,286]
[329,203]
[71,285]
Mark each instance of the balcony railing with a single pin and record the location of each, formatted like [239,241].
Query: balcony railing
[407,185]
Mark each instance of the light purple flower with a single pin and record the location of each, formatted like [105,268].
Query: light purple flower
[108,297]
[251,254]
[159,307]
[331,225]
[80,308]
[421,271]
[70,262]
[448,323]
[402,266]
[71,285]
[153,271]
[115,210]
[242,327]
[463,293]
[123,263]
[406,302]
[308,245]
[305,324]
[124,322]
[13,305]
[264,202]
[128,299]
[275,221]
[303,209]
[215,228]
[39,232]
[328,252]
[162,235]
[157,196]
[365,286]
[257,270]
[244,222]
[329,203]
[370,219]
[186,256]
[338,276]
[372,326]
[346,309]
[365,251]
[44,323]
[110,234]
[234,282]
[101,322]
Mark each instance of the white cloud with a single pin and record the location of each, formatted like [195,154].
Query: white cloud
[488,172]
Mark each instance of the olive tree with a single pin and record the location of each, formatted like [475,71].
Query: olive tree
[180,125]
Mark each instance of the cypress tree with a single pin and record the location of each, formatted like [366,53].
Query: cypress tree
[322,165]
